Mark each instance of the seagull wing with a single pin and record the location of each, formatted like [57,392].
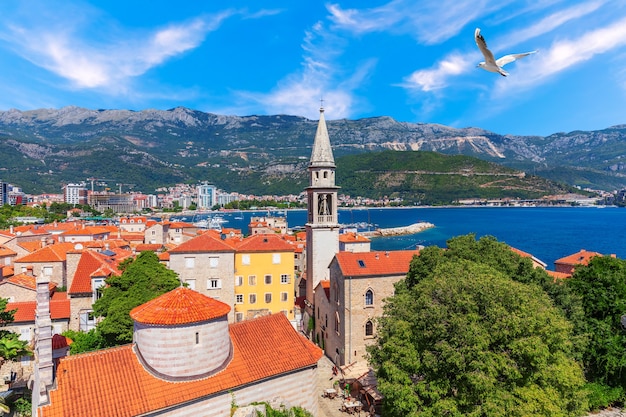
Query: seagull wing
[482,45]
[507,59]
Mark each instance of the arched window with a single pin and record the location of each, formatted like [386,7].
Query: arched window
[369,298]
[369,328]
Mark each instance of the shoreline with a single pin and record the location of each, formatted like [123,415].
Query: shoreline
[399,231]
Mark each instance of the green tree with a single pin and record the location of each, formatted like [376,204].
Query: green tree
[142,280]
[499,256]
[85,341]
[469,341]
[602,286]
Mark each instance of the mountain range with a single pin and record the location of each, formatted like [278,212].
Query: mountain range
[143,150]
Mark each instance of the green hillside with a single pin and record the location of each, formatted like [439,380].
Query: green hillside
[433,178]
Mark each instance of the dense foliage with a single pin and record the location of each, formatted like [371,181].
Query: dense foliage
[11,347]
[471,332]
[602,286]
[142,280]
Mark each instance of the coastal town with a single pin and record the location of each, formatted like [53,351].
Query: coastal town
[308,301]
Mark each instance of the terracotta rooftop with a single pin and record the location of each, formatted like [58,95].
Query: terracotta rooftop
[26,281]
[206,242]
[558,275]
[59,309]
[180,306]
[375,263]
[4,251]
[50,253]
[112,382]
[353,238]
[92,263]
[60,341]
[264,243]
[578,258]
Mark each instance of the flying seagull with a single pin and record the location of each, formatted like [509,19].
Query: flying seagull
[491,64]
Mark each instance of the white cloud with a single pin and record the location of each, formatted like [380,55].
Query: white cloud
[89,64]
[437,77]
[564,54]
[431,22]
[320,78]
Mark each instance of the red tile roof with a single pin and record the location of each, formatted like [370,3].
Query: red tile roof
[4,251]
[353,238]
[26,281]
[180,306]
[112,382]
[578,258]
[558,275]
[375,263]
[59,341]
[50,253]
[59,309]
[264,243]
[206,242]
[92,264]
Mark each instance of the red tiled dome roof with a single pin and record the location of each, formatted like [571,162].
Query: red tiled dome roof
[179,306]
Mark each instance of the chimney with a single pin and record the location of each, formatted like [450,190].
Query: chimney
[43,242]
[376,255]
[43,367]
[11,229]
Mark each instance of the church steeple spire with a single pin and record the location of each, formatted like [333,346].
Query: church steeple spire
[322,154]
[322,227]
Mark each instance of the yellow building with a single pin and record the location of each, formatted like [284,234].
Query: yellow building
[264,277]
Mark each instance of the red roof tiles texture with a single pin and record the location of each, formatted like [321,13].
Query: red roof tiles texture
[90,262]
[51,253]
[59,309]
[375,263]
[112,382]
[264,243]
[206,242]
[180,306]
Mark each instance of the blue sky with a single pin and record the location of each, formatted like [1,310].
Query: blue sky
[412,60]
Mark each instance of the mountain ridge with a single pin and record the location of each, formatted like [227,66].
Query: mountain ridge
[180,145]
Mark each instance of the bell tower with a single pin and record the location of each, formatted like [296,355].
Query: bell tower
[322,227]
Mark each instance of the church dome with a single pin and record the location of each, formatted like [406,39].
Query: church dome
[182,335]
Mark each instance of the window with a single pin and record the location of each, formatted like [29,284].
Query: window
[251,279]
[239,299]
[252,298]
[268,297]
[276,258]
[238,317]
[369,298]
[190,262]
[284,279]
[87,321]
[25,334]
[238,281]
[213,261]
[268,279]
[284,296]
[97,286]
[369,328]
[214,284]
[197,338]
[47,271]
[191,284]
[337,324]
[245,259]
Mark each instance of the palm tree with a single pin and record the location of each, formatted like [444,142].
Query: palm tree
[4,407]
[11,347]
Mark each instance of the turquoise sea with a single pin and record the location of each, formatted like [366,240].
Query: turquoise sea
[549,233]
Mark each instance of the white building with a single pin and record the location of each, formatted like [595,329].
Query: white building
[206,196]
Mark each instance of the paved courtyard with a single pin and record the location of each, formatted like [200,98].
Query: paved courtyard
[330,407]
